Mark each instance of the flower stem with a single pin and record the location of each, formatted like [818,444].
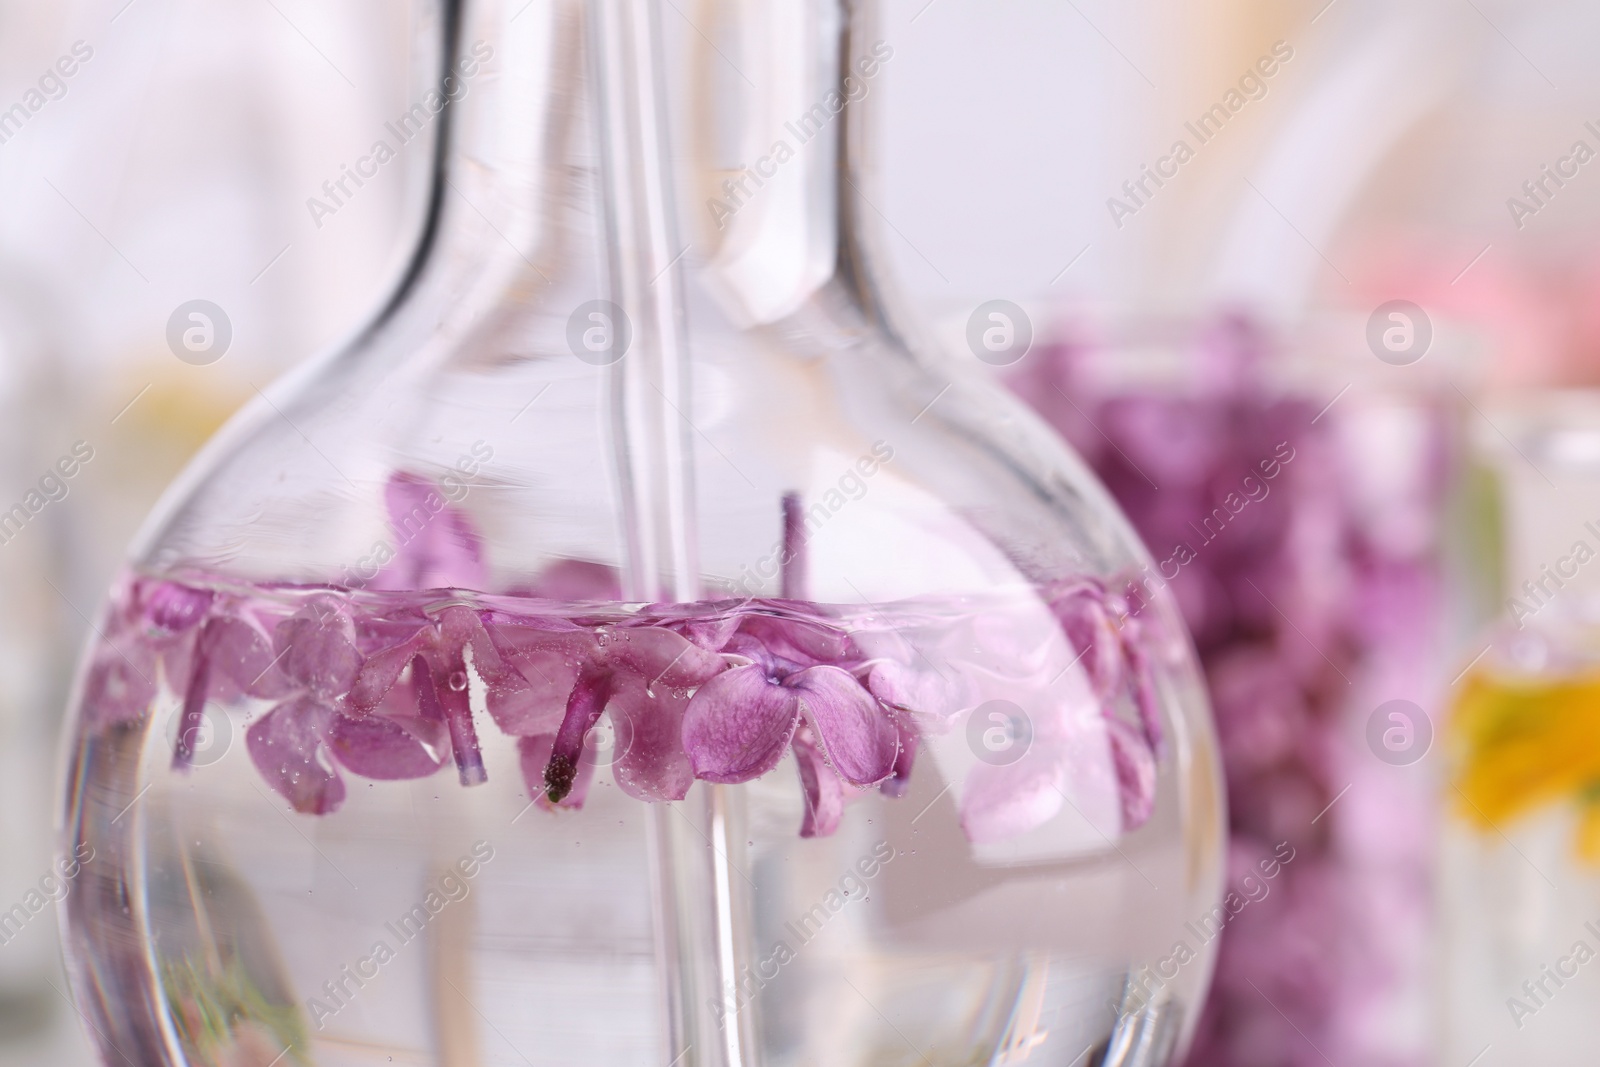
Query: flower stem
[194,704]
[793,561]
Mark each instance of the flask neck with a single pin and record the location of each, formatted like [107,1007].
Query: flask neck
[518,197]
[511,155]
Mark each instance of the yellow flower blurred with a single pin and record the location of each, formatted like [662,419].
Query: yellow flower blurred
[1519,745]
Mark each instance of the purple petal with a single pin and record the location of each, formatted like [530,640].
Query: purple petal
[752,649]
[175,608]
[287,748]
[1135,768]
[708,631]
[710,634]
[576,580]
[1093,635]
[584,706]
[388,749]
[660,657]
[316,648]
[119,687]
[802,642]
[649,762]
[1144,689]
[442,694]
[738,725]
[824,798]
[240,659]
[539,705]
[507,693]
[853,729]
[382,670]
[438,545]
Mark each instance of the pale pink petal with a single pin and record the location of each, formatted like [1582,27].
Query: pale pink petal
[920,691]
[508,695]
[575,581]
[1145,699]
[436,545]
[802,642]
[661,657]
[1092,633]
[121,683]
[999,803]
[540,703]
[710,633]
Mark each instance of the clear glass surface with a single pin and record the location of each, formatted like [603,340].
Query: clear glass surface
[511,687]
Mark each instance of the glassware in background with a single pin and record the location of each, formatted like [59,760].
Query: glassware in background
[1294,509]
[271,103]
[1428,154]
[32,657]
[102,241]
[1478,213]
[502,687]
[1520,853]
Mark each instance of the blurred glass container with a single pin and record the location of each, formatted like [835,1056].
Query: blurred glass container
[33,667]
[919,785]
[1411,193]
[1474,207]
[1295,502]
[1520,870]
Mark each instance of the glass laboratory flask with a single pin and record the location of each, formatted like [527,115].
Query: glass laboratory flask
[1520,843]
[635,645]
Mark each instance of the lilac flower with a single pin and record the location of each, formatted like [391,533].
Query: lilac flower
[225,650]
[738,725]
[440,656]
[384,685]
[640,674]
[147,633]
[297,744]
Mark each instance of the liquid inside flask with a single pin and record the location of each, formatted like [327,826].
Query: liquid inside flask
[636,646]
